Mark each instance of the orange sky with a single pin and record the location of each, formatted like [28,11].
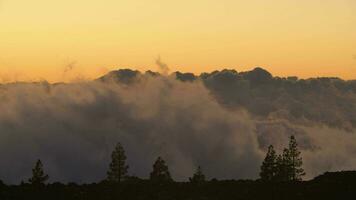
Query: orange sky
[40,39]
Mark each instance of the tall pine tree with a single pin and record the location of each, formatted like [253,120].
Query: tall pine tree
[295,161]
[38,175]
[118,168]
[289,164]
[283,166]
[269,165]
[160,171]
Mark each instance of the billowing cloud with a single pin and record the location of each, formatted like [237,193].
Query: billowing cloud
[74,127]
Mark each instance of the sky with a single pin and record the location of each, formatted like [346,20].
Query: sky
[73,40]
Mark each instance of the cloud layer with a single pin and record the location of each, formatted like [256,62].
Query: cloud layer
[74,127]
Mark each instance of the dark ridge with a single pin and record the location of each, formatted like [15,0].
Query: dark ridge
[151,73]
[339,185]
[337,177]
[185,76]
[125,76]
[258,76]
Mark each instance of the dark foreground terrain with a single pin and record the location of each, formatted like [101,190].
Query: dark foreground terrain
[338,185]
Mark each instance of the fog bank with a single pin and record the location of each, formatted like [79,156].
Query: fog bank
[73,128]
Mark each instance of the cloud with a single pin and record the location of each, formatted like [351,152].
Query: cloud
[69,68]
[74,127]
[163,67]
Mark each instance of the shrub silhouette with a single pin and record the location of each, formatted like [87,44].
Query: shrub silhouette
[160,172]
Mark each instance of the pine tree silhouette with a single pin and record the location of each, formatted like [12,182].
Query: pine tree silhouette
[118,168]
[283,166]
[38,175]
[289,164]
[295,161]
[269,165]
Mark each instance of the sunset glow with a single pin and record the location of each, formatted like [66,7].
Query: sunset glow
[73,40]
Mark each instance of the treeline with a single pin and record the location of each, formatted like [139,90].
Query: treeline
[275,168]
[118,171]
[280,178]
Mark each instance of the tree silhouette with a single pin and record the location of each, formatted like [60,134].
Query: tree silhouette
[295,161]
[198,176]
[279,168]
[283,166]
[118,168]
[160,171]
[269,165]
[289,164]
[38,175]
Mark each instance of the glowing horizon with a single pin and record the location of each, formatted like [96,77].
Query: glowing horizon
[40,39]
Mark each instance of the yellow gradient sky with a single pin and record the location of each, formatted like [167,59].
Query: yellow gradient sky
[43,39]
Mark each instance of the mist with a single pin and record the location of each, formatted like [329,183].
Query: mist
[74,127]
